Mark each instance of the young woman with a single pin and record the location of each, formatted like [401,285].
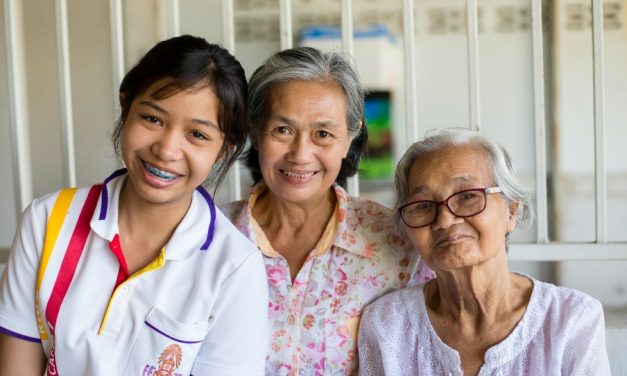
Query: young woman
[141,275]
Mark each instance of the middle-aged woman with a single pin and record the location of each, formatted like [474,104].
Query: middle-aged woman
[458,199]
[327,254]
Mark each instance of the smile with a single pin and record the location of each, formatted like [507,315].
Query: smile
[298,175]
[159,173]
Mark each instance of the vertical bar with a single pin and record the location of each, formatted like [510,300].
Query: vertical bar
[285,12]
[228,25]
[116,22]
[599,120]
[409,37]
[472,33]
[539,120]
[173,27]
[65,91]
[348,46]
[18,114]
[228,40]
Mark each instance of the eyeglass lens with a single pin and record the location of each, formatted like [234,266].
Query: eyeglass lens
[461,204]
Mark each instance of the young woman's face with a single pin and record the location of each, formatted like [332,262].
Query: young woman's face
[304,140]
[170,145]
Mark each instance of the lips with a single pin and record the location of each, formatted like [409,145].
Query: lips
[450,239]
[298,174]
[160,173]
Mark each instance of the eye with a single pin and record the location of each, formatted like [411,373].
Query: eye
[199,135]
[323,134]
[281,133]
[151,119]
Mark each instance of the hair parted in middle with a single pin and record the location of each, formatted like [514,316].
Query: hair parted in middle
[307,64]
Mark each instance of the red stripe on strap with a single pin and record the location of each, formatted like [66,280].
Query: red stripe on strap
[71,258]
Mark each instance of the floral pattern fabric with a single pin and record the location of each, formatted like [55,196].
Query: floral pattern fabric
[314,319]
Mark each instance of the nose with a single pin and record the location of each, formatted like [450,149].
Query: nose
[301,149]
[445,219]
[167,146]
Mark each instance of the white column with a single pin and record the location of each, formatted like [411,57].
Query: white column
[65,94]
[18,113]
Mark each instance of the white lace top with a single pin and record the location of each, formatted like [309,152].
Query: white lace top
[562,332]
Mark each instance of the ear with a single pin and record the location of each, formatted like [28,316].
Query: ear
[511,216]
[223,153]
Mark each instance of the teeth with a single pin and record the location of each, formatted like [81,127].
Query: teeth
[294,175]
[159,173]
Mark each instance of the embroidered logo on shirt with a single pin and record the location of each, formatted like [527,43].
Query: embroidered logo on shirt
[168,362]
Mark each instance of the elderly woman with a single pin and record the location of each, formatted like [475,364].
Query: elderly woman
[458,200]
[327,254]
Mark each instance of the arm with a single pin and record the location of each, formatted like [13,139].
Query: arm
[21,352]
[368,347]
[586,353]
[20,357]
[237,343]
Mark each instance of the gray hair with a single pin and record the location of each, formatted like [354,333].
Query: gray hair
[304,64]
[502,169]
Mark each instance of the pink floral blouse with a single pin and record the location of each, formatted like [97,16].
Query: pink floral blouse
[314,319]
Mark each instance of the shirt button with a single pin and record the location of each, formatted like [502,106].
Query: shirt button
[124,289]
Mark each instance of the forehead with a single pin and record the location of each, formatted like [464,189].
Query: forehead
[310,96]
[450,167]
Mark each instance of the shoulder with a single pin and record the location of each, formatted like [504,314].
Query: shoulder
[234,209]
[392,311]
[229,237]
[562,307]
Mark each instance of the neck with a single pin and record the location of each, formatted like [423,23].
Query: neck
[479,292]
[272,212]
[139,219]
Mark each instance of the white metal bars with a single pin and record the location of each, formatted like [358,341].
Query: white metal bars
[348,47]
[599,120]
[173,25]
[18,114]
[117,47]
[234,178]
[285,24]
[65,93]
[539,121]
[472,35]
[409,38]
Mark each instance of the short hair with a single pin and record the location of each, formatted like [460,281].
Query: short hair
[307,64]
[501,169]
[186,62]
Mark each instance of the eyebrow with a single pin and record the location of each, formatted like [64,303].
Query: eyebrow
[424,188]
[318,124]
[162,110]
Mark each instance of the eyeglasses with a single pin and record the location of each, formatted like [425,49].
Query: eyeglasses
[462,204]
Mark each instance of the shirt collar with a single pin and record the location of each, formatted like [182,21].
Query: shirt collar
[343,231]
[186,238]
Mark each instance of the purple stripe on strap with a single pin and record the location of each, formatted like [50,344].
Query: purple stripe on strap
[212,223]
[170,337]
[18,335]
[104,204]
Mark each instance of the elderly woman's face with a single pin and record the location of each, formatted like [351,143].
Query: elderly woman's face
[304,140]
[452,242]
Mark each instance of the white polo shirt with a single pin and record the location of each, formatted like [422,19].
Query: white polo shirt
[191,311]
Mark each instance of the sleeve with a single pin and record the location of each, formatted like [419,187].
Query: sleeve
[237,343]
[585,351]
[368,346]
[17,287]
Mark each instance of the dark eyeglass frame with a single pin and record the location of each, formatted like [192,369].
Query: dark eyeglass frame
[485,191]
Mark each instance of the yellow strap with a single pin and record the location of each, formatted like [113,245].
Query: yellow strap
[59,212]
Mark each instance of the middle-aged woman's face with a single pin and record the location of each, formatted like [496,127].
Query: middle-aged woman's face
[304,140]
[451,243]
